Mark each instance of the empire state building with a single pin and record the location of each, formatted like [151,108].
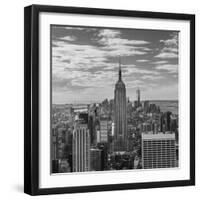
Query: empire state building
[120,120]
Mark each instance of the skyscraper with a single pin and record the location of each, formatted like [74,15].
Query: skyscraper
[138,97]
[158,151]
[81,148]
[120,136]
[103,129]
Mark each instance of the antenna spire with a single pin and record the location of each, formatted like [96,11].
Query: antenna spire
[120,72]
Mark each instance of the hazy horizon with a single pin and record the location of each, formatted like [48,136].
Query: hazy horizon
[152,100]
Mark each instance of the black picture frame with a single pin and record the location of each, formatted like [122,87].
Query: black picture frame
[31,98]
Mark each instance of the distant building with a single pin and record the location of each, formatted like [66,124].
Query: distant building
[158,151]
[54,138]
[146,127]
[165,122]
[138,97]
[91,127]
[146,106]
[83,118]
[120,118]
[61,141]
[81,148]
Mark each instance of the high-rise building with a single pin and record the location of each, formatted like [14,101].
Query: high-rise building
[95,159]
[138,97]
[103,130]
[81,148]
[61,141]
[113,129]
[98,136]
[104,155]
[158,151]
[54,139]
[120,119]
[165,122]
[146,106]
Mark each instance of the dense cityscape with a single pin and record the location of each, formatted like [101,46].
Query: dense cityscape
[115,134]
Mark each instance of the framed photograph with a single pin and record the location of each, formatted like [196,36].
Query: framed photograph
[109,100]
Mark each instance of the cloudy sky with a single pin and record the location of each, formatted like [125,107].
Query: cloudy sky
[85,63]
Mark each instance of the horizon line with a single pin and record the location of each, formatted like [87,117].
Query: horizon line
[112,99]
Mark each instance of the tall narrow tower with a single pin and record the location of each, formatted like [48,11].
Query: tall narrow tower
[120,135]
[138,97]
[81,148]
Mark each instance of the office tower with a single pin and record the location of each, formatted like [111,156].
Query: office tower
[153,108]
[95,159]
[120,137]
[165,122]
[168,120]
[103,130]
[146,106]
[155,127]
[55,166]
[98,136]
[81,148]
[61,141]
[113,129]
[54,138]
[91,128]
[104,155]
[138,97]
[54,156]
[162,124]
[158,151]
[174,123]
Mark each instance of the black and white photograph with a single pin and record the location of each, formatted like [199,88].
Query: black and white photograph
[114,99]
[109,99]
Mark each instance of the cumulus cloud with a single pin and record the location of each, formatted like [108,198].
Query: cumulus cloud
[73,28]
[108,33]
[112,38]
[68,38]
[166,55]
[169,68]
[172,41]
[160,62]
[129,70]
[151,77]
[142,60]
[170,47]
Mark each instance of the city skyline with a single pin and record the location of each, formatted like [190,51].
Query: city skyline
[85,63]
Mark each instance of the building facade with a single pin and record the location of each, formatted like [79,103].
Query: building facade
[120,118]
[103,130]
[81,148]
[95,159]
[158,151]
